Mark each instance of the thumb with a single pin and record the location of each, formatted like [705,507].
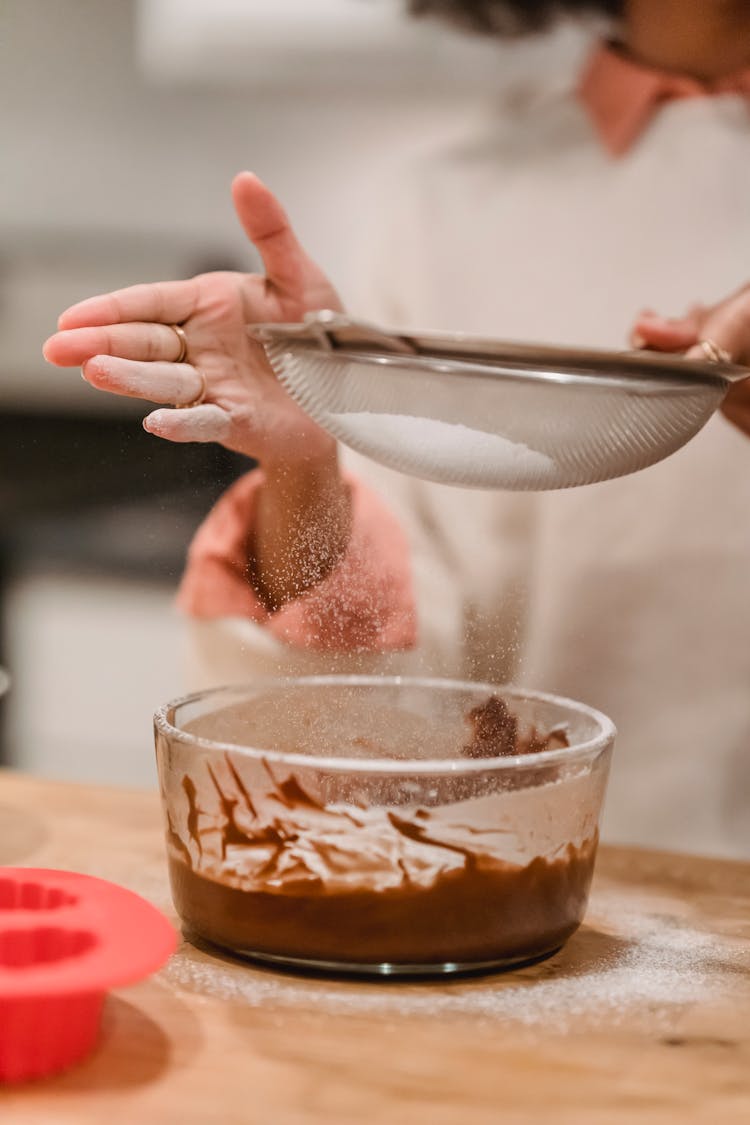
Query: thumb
[266,225]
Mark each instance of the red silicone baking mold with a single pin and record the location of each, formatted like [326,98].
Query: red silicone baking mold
[65,940]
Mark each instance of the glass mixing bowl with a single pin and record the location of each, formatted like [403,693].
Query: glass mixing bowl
[347,824]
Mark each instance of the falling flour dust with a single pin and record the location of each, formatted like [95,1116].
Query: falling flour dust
[450,447]
[653,967]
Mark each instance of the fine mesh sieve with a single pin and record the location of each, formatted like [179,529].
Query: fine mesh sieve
[491,414]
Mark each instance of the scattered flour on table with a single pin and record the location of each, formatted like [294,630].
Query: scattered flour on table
[651,965]
[450,446]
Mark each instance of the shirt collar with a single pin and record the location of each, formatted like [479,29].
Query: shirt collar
[621,96]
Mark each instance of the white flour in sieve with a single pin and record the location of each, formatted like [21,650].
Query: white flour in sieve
[652,966]
[449,446]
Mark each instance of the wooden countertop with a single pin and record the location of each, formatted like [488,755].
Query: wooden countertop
[644,1017]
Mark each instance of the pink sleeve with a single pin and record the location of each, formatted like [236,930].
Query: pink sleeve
[366,604]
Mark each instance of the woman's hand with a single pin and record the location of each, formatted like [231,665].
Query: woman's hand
[123,343]
[727,325]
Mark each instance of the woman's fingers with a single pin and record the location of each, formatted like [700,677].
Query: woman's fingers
[168,302]
[198,423]
[173,383]
[147,342]
[663,334]
[728,326]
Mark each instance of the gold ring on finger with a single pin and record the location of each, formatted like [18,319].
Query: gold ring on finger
[198,398]
[182,339]
[714,352]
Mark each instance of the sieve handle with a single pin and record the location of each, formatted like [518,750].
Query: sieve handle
[333,331]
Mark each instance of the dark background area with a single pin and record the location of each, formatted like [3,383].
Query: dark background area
[98,496]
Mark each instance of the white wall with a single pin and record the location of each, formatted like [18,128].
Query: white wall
[87,144]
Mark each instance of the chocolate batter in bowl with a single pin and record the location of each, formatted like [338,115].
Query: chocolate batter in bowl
[382,825]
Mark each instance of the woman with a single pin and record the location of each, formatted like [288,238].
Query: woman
[635,184]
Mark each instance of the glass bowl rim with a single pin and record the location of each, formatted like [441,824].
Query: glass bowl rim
[392,766]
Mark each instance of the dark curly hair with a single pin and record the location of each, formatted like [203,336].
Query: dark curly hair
[510,17]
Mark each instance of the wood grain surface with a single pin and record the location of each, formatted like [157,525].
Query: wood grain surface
[644,1017]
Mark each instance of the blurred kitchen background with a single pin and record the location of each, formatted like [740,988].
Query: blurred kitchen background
[121,126]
